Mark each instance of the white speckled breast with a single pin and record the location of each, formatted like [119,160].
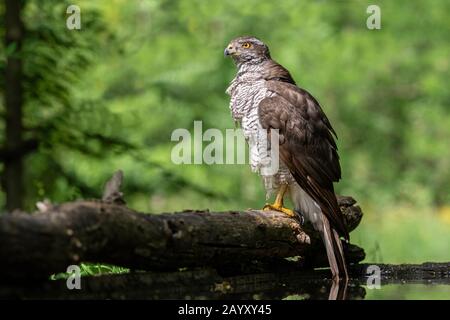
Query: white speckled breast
[247,90]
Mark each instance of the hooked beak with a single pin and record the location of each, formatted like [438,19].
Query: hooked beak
[230,50]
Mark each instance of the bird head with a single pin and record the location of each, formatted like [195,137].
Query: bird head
[247,50]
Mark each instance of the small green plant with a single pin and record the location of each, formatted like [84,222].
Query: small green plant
[91,269]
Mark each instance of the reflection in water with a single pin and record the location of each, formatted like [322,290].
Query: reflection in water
[331,290]
[338,290]
[208,284]
[201,284]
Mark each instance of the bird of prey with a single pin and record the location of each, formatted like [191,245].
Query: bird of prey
[264,96]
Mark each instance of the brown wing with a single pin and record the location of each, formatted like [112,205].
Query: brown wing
[307,146]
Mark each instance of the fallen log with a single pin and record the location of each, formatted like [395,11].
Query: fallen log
[37,245]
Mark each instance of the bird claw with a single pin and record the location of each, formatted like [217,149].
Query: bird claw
[279,208]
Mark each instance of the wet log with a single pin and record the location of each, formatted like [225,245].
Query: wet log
[47,242]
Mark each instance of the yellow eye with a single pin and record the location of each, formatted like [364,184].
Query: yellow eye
[246,45]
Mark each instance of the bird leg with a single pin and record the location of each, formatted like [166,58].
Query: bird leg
[278,204]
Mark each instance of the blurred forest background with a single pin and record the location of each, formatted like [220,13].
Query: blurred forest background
[108,96]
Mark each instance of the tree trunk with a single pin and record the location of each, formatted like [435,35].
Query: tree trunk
[13,165]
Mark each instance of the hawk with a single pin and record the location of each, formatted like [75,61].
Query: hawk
[264,96]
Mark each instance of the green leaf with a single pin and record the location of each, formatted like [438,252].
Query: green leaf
[11,49]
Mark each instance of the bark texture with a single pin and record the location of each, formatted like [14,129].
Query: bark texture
[47,242]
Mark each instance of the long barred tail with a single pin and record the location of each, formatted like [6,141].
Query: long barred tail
[313,213]
[334,249]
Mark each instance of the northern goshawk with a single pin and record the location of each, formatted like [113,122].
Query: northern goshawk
[264,96]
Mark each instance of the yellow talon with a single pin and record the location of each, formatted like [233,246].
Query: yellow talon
[278,204]
[274,207]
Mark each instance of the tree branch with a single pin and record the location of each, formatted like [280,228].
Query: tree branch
[27,146]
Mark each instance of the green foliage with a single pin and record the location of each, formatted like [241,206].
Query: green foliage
[403,235]
[410,292]
[109,96]
[89,269]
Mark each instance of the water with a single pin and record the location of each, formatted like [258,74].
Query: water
[410,291]
[402,291]
[426,281]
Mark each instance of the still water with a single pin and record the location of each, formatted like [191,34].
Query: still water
[399,282]
[404,291]
[410,291]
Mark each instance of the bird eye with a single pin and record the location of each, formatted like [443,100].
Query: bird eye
[246,45]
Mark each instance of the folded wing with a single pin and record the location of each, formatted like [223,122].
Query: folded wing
[307,146]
